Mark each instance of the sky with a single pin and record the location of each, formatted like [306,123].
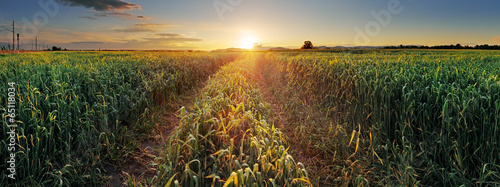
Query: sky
[218,24]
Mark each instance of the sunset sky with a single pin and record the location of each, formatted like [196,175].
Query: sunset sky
[215,24]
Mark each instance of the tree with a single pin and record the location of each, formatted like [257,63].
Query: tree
[307,45]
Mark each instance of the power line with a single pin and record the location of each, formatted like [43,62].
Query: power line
[5,28]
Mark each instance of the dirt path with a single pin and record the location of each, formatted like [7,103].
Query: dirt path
[300,151]
[165,118]
[268,96]
[300,154]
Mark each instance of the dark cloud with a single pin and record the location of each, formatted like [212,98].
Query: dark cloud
[142,17]
[122,15]
[102,5]
[113,14]
[86,43]
[143,27]
[88,17]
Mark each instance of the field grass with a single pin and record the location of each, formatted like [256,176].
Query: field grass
[77,112]
[342,117]
[229,138]
[428,118]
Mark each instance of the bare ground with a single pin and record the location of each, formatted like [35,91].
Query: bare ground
[140,167]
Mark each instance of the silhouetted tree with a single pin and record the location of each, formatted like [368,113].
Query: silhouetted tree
[457,46]
[54,48]
[307,45]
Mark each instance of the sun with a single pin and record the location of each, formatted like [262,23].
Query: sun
[247,42]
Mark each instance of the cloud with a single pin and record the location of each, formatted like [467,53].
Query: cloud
[142,17]
[102,5]
[172,38]
[143,27]
[169,35]
[151,24]
[106,39]
[88,17]
[114,14]
[122,15]
[65,36]
[106,8]
[163,41]
[496,39]
[86,43]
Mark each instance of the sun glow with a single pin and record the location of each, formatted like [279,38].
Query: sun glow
[247,42]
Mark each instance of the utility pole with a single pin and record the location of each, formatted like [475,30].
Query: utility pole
[13,41]
[5,28]
[18,41]
[36,43]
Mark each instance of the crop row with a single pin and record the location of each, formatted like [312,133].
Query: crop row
[76,110]
[413,117]
[229,139]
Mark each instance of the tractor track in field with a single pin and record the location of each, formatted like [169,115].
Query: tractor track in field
[138,167]
[283,121]
[268,96]
[304,153]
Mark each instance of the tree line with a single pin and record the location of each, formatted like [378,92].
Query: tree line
[457,46]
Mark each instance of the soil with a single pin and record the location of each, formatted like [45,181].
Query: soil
[306,154]
[141,167]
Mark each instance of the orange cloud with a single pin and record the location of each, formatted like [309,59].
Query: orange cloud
[143,27]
